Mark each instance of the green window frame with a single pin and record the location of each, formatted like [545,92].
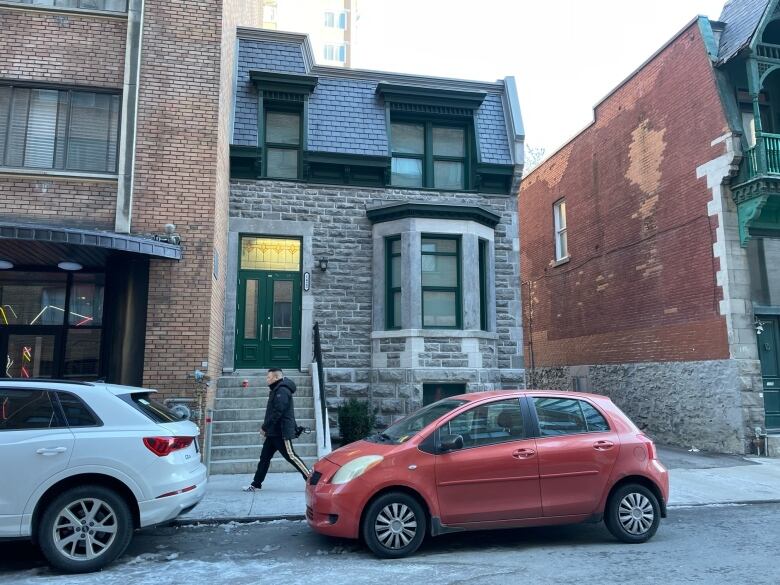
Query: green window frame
[422,146]
[279,145]
[435,251]
[393,291]
[46,128]
[483,271]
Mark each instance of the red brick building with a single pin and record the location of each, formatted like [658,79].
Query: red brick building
[642,276]
[114,123]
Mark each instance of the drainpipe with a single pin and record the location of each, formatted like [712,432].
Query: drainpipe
[124,194]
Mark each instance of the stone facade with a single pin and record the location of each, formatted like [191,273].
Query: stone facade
[361,359]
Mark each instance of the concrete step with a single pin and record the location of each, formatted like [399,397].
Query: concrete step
[249,402]
[278,465]
[249,425]
[249,451]
[241,439]
[239,391]
[255,413]
[259,381]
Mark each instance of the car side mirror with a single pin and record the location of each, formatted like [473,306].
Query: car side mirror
[451,442]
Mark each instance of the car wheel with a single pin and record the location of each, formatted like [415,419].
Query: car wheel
[394,525]
[633,513]
[85,528]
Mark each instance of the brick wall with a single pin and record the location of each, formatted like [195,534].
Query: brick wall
[58,201]
[175,180]
[640,285]
[62,48]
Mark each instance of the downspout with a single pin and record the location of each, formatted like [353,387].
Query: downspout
[124,194]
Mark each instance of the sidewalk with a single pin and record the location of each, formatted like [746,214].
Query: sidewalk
[696,479]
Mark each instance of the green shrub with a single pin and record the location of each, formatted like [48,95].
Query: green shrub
[356,420]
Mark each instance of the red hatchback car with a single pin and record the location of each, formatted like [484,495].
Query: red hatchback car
[491,460]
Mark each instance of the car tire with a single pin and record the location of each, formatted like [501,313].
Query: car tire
[394,525]
[85,528]
[633,514]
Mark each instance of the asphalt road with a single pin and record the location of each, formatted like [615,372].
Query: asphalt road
[711,545]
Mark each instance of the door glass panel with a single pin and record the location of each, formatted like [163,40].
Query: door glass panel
[30,356]
[250,310]
[86,300]
[26,409]
[497,422]
[82,354]
[32,298]
[596,422]
[270,254]
[282,311]
[559,416]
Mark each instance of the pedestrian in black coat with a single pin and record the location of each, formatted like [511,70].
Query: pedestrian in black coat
[278,428]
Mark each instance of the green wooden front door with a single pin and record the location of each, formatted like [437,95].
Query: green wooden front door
[268,316]
[769,353]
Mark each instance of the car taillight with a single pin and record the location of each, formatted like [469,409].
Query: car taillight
[162,446]
[649,445]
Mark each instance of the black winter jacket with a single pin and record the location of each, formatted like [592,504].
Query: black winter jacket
[279,413]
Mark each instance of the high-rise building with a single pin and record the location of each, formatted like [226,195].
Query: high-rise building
[330,24]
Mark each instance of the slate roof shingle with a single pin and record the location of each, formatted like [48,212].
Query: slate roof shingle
[741,18]
[345,114]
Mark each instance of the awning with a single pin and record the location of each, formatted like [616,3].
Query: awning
[29,244]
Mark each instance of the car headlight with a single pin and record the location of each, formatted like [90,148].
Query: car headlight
[356,468]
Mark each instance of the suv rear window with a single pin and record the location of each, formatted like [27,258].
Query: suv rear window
[154,410]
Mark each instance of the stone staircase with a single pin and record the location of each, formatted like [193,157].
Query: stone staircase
[238,413]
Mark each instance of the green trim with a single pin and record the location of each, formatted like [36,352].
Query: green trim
[284,82]
[393,211]
[483,308]
[410,94]
[429,159]
[457,289]
[340,158]
[747,212]
[392,321]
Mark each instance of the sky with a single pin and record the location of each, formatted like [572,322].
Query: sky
[565,55]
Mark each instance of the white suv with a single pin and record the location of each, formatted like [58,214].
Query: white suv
[82,465]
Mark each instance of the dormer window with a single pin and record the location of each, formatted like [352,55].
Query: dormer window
[282,143]
[426,154]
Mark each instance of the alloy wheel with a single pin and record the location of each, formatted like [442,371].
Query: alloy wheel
[85,529]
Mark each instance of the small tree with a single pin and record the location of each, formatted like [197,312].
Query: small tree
[356,420]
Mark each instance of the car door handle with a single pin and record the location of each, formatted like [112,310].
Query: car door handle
[603,445]
[49,451]
[523,453]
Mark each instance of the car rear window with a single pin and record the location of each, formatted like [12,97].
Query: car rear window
[154,410]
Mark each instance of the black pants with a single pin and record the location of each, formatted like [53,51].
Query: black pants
[271,446]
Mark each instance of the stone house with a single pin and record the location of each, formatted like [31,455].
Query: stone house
[382,208]
[650,247]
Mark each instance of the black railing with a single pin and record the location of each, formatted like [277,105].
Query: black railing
[321,379]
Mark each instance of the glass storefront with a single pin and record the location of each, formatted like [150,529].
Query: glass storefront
[51,324]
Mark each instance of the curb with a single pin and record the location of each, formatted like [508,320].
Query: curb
[731,503]
[236,519]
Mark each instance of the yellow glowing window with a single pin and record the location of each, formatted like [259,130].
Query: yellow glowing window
[270,254]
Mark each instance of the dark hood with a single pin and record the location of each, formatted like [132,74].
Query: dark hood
[286,382]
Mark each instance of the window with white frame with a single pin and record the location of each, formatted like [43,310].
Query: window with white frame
[342,23]
[330,20]
[559,219]
[335,53]
[336,20]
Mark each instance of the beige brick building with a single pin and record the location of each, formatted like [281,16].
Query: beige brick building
[114,122]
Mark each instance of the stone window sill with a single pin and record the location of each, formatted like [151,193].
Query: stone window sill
[434,333]
[63,10]
[50,174]
[561,262]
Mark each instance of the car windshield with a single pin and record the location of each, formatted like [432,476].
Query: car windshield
[406,428]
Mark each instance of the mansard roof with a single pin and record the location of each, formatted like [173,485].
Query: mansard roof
[346,107]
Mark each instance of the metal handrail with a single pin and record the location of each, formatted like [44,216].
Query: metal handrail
[320,374]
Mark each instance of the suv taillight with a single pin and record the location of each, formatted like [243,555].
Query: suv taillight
[162,446]
[649,445]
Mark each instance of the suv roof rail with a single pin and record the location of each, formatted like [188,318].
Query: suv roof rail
[49,381]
